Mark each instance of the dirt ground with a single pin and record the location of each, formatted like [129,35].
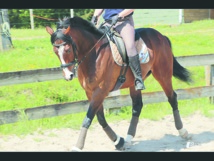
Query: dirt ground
[151,136]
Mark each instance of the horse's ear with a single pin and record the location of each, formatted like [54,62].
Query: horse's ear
[67,30]
[49,30]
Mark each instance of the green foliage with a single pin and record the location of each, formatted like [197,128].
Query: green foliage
[84,13]
[20,18]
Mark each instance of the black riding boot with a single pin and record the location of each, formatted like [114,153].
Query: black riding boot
[134,64]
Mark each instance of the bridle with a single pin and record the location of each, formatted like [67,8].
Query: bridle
[68,39]
[75,62]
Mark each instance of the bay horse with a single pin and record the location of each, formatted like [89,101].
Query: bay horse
[82,46]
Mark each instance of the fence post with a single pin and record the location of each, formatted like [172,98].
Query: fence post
[72,13]
[212,81]
[210,78]
[31,19]
[180,16]
[114,110]
[1,46]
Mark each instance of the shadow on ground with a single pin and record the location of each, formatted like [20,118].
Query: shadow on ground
[171,143]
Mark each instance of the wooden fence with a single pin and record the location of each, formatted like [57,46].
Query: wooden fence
[29,76]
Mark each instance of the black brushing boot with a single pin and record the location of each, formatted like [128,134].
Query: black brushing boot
[134,64]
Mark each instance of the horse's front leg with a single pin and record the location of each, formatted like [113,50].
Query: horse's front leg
[137,105]
[117,140]
[96,99]
[85,125]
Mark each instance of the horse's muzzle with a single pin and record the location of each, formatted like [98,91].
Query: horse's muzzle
[69,77]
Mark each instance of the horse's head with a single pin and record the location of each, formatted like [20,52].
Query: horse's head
[65,49]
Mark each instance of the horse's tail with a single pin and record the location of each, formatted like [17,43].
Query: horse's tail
[179,71]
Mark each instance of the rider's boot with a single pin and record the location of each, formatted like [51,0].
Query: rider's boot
[134,64]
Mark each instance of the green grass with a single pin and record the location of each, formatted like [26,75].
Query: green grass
[29,53]
[38,94]
[190,38]
[33,50]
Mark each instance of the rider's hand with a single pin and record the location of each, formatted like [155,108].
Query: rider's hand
[94,20]
[114,19]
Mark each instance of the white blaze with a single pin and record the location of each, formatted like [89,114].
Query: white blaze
[66,71]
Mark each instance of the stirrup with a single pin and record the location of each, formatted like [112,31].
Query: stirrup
[139,86]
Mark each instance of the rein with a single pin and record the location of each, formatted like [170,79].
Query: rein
[93,46]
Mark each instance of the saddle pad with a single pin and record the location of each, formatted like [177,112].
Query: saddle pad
[141,49]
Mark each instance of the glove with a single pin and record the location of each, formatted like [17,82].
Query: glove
[94,20]
[114,19]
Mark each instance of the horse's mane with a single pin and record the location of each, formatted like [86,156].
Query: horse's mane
[79,23]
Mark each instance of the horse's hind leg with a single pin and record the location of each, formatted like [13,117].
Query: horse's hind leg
[117,140]
[137,105]
[172,99]
[178,123]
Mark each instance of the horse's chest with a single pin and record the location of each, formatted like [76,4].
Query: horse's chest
[89,82]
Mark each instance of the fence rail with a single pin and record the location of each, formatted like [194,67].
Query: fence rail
[48,74]
[40,75]
[13,116]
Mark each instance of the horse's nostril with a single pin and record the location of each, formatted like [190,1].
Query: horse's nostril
[71,76]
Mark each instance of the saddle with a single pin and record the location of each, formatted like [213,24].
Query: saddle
[118,47]
[119,52]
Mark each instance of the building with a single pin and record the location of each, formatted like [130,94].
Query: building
[170,16]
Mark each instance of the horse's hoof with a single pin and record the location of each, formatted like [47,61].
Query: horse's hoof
[128,141]
[119,143]
[184,134]
[75,149]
